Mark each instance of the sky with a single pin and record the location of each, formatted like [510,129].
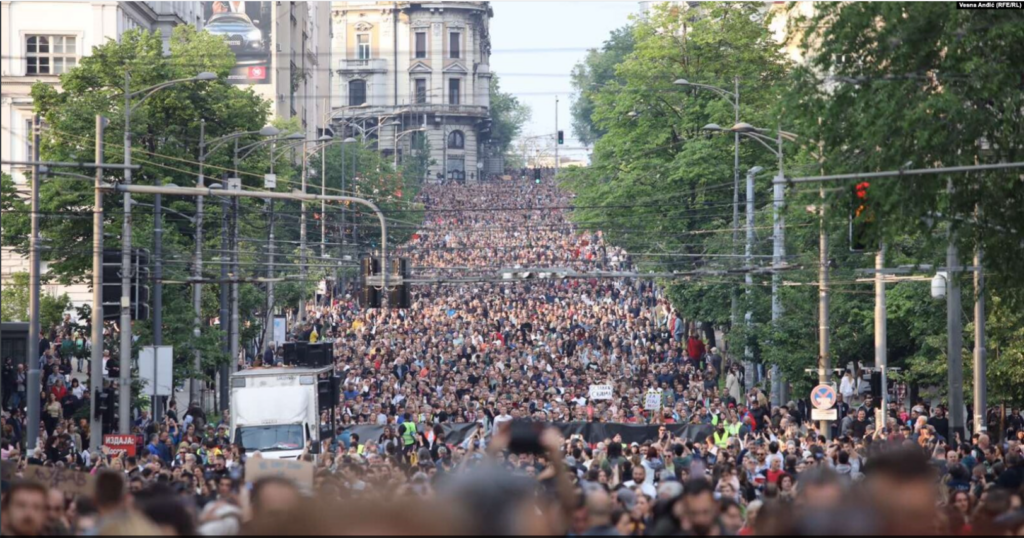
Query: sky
[534,46]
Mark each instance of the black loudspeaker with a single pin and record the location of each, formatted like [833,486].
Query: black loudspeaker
[370,266]
[328,392]
[399,297]
[314,356]
[371,297]
[400,267]
[295,353]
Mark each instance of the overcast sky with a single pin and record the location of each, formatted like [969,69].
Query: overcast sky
[534,46]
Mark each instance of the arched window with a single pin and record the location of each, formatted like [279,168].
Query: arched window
[356,92]
[456,140]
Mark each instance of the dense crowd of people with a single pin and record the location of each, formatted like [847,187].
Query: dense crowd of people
[500,356]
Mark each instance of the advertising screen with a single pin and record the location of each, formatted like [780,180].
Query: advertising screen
[246,27]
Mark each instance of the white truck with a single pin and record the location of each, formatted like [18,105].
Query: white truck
[275,411]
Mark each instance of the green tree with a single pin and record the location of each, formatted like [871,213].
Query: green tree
[14,302]
[928,84]
[16,298]
[590,75]
[165,130]
[657,182]
[508,116]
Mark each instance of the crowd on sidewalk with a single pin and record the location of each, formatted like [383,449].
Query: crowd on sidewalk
[497,353]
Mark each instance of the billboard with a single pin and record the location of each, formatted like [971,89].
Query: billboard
[246,27]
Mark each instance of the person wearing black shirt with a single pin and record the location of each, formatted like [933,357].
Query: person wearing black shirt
[940,423]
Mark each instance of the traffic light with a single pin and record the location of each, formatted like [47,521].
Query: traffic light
[862,218]
[139,292]
[536,175]
[561,137]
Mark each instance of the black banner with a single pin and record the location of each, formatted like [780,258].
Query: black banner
[592,432]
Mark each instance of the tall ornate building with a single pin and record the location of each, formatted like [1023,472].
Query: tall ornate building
[412,73]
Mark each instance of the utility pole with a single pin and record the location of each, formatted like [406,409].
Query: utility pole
[980,359]
[341,247]
[954,330]
[778,252]
[301,314]
[824,358]
[158,296]
[96,350]
[269,338]
[734,299]
[195,392]
[881,333]
[234,347]
[225,323]
[556,134]
[748,279]
[34,374]
[125,356]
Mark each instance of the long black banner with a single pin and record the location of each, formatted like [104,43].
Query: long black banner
[592,432]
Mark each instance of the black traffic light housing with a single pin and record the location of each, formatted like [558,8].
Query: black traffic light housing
[561,137]
[139,292]
[862,218]
[536,175]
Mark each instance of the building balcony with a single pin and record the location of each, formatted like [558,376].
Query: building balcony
[372,65]
[444,109]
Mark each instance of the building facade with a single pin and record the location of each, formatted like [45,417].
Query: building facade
[40,40]
[300,63]
[416,75]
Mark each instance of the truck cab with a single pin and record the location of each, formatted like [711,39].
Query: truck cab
[275,411]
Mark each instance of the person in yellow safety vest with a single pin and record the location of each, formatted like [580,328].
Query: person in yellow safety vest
[721,438]
[408,434]
[732,427]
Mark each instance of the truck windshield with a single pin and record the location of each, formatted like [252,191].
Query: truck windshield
[268,438]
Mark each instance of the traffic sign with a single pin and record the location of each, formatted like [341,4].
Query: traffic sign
[823,397]
[824,414]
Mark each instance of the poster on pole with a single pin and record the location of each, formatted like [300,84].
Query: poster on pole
[279,330]
[120,444]
[156,368]
[601,392]
[653,401]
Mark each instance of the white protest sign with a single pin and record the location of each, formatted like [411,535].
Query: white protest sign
[653,401]
[601,392]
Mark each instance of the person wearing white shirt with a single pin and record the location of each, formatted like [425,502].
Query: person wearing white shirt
[501,418]
[846,387]
[640,480]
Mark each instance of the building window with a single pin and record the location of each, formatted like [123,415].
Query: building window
[363,46]
[29,139]
[50,54]
[418,141]
[421,44]
[454,43]
[453,91]
[421,91]
[456,140]
[356,92]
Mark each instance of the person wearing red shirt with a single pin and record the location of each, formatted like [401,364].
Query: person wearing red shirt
[695,348]
[774,472]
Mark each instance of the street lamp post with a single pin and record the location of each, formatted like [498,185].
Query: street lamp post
[733,98]
[206,148]
[778,237]
[124,401]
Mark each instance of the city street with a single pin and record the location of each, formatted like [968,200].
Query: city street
[560,268]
